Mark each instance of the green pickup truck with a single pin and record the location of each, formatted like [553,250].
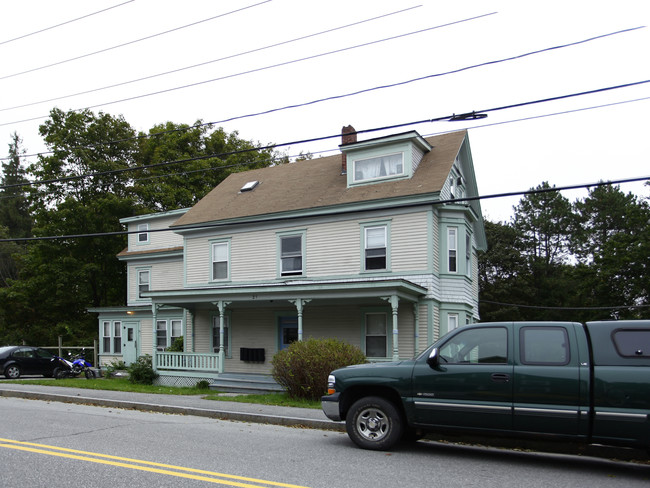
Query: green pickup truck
[546,380]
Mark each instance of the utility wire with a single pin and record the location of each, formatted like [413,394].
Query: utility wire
[231,56]
[540,307]
[131,42]
[64,23]
[322,138]
[240,165]
[433,202]
[256,70]
[350,94]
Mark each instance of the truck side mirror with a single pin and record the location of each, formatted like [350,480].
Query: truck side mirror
[434,359]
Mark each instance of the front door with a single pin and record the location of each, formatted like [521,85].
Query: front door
[288,331]
[472,385]
[129,342]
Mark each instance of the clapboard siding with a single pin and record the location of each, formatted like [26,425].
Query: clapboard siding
[333,249]
[409,240]
[157,240]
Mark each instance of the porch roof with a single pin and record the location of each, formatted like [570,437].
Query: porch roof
[289,290]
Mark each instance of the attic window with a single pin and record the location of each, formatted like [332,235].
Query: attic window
[249,186]
[378,167]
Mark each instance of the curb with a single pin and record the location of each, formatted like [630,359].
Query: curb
[172,409]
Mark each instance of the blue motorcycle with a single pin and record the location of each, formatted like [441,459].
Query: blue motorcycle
[73,367]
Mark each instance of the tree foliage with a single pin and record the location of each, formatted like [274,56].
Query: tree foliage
[91,177]
[561,261]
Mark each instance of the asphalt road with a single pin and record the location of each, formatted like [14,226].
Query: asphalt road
[66,445]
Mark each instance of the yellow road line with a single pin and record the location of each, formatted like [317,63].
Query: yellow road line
[123,462]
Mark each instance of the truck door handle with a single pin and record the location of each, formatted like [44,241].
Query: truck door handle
[500,377]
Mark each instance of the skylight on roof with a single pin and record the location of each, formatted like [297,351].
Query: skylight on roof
[249,186]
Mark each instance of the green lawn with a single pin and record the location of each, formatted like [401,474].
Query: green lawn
[123,384]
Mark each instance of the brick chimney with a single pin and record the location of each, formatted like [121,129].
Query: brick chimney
[348,136]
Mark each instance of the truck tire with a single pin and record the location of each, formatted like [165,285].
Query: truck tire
[374,423]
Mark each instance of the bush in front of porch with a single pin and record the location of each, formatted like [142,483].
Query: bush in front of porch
[303,367]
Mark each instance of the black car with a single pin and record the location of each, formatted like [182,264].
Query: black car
[17,360]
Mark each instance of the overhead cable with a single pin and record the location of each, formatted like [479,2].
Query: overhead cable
[321,138]
[339,212]
[231,56]
[64,23]
[57,63]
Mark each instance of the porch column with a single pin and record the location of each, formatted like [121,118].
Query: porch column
[154,312]
[189,345]
[394,303]
[300,303]
[222,313]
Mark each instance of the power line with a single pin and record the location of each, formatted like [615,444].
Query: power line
[57,63]
[243,53]
[321,138]
[256,70]
[354,93]
[64,23]
[254,221]
[541,307]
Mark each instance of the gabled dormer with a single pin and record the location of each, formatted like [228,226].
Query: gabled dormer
[382,159]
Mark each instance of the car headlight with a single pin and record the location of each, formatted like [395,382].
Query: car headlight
[331,381]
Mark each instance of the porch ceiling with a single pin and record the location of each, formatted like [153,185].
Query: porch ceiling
[262,294]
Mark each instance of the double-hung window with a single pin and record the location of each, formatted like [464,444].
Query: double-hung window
[143,234]
[106,336]
[452,249]
[144,281]
[376,340]
[117,337]
[176,327]
[291,255]
[376,247]
[220,259]
[161,335]
[468,255]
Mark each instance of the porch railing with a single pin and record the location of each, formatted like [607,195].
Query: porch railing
[187,361]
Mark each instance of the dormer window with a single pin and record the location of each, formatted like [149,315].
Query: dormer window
[383,159]
[378,167]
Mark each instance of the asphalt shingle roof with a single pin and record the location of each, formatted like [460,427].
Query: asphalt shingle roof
[318,183]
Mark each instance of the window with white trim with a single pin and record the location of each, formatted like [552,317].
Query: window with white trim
[161,335]
[117,337]
[452,321]
[291,255]
[106,336]
[176,329]
[226,334]
[376,336]
[378,167]
[468,254]
[143,233]
[220,259]
[376,248]
[452,249]
[144,281]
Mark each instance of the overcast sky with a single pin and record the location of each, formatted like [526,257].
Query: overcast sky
[239,62]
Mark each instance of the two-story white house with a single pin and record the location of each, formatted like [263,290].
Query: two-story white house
[373,246]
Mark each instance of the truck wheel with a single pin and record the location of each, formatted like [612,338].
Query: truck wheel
[374,423]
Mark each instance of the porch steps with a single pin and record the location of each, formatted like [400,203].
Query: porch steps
[246,383]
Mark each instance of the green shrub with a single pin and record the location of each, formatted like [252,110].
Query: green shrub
[303,367]
[141,372]
[114,365]
[177,345]
[203,385]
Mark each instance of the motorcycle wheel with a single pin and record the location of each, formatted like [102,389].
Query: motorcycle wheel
[89,374]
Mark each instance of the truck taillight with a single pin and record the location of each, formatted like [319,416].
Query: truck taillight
[331,380]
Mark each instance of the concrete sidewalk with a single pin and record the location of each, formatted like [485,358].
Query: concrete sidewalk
[176,404]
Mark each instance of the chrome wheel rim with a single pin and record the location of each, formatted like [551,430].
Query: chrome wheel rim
[373,424]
